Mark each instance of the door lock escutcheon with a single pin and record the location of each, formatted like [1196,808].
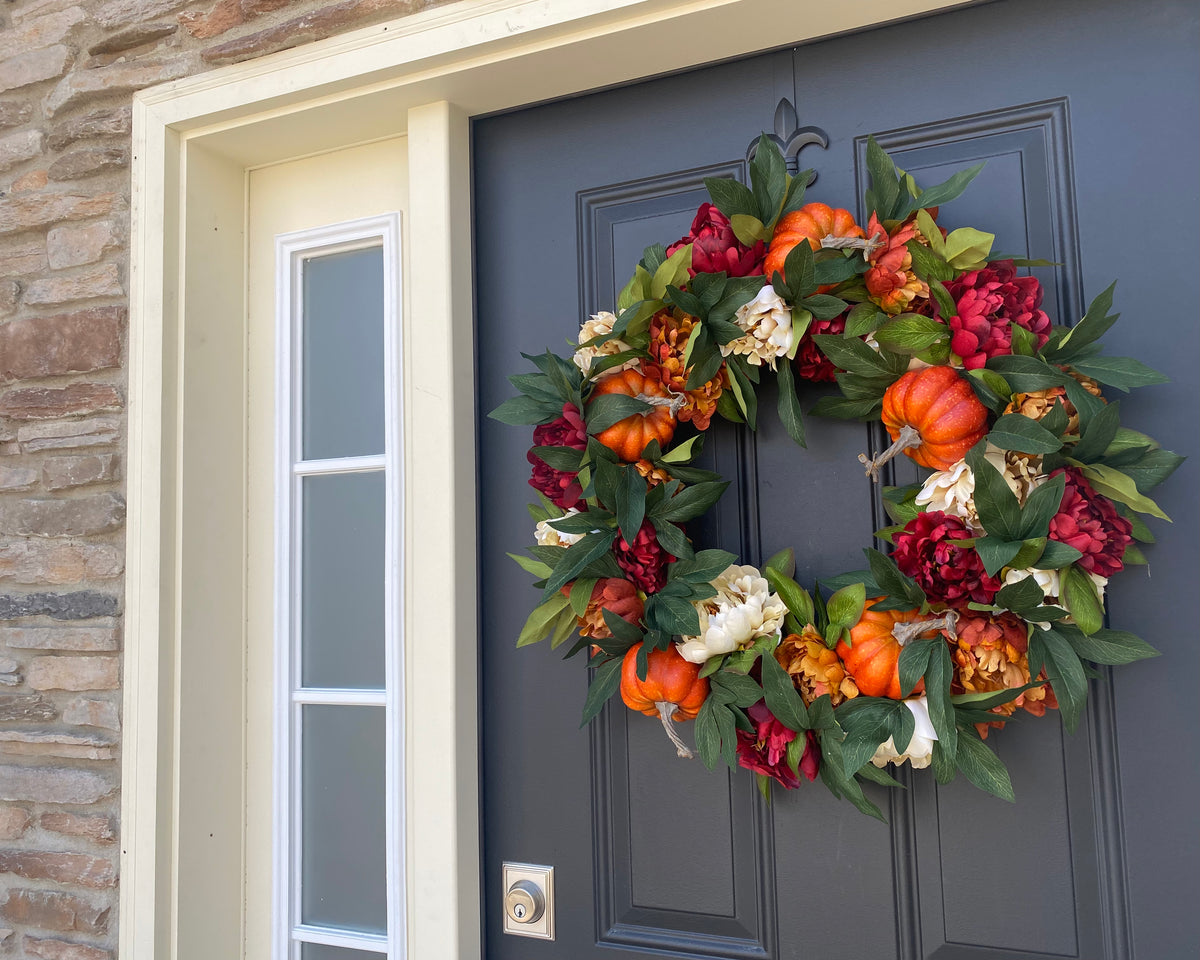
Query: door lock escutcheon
[528,900]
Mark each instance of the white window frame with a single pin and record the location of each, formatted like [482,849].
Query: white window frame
[292,251]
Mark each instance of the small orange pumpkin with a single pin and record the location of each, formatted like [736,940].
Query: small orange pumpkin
[941,407]
[812,222]
[673,689]
[628,437]
[872,657]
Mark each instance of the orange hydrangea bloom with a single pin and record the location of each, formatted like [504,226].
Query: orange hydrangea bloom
[890,279]
[669,332]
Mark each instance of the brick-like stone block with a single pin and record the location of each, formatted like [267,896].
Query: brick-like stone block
[100,829]
[35,562]
[73,673]
[76,244]
[33,66]
[68,746]
[65,434]
[19,147]
[68,868]
[79,517]
[59,473]
[77,342]
[49,403]
[96,125]
[42,210]
[62,950]
[24,708]
[88,162]
[120,78]
[10,292]
[78,605]
[40,31]
[204,25]
[136,36]
[53,785]
[121,13]
[93,638]
[101,280]
[92,713]
[13,113]
[55,910]
[13,821]
[17,478]
[23,259]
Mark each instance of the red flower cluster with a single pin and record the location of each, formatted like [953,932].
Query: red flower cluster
[989,302]
[715,249]
[765,750]
[568,430]
[1090,523]
[811,363]
[645,561]
[927,552]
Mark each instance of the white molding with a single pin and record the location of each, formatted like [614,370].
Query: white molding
[427,73]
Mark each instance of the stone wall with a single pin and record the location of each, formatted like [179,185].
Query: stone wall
[68,69]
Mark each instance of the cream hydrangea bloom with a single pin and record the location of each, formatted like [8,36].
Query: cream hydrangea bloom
[743,610]
[767,320]
[600,325]
[953,491]
[920,748]
[547,536]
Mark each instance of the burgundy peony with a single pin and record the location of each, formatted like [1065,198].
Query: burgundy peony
[765,750]
[1090,523]
[948,573]
[715,249]
[566,431]
[989,302]
[645,561]
[811,363]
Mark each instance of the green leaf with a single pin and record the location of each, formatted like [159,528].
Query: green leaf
[823,306]
[781,696]
[631,504]
[605,410]
[690,502]
[535,567]
[914,661]
[941,710]
[524,410]
[928,265]
[621,628]
[783,562]
[1041,506]
[1119,486]
[949,190]
[794,596]
[743,390]
[868,771]
[845,607]
[541,619]
[604,684]
[1027,374]
[730,197]
[900,502]
[704,567]
[967,249]
[884,191]
[853,355]
[841,408]
[862,319]
[672,539]
[1098,434]
[1056,556]
[708,736]
[982,767]
[1093,326]
[1124,373]
[1019,597]
[789,405]
[1082,600]
[1114,647]
[768,178]
[892,581]
[795,194]
[672,615]
[835,270]
[1064,671]
[799,272]
[998,507]
[560,458]
[996,552]
[577,556]
[581,595]
[1153,468]
[684,452]
[1015,431]
[996,385]
[910,333]
[744,690]
[749,230]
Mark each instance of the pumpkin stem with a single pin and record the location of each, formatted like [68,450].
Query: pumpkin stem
[666,711]
[868,247]
[904,632]
[675,403]
[909,437]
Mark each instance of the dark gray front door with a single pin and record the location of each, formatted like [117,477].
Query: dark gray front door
[1086,114]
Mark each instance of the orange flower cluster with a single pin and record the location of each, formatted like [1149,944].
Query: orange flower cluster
[814,668]
[990,655]
[669,332]
[890,279]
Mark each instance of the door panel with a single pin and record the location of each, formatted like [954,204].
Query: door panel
[664,858]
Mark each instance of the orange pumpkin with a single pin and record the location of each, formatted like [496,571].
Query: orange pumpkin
[872,657]
[941,407]
[628,437]
[812,222]
[673,690]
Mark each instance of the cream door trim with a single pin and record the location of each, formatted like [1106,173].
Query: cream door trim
[185,751]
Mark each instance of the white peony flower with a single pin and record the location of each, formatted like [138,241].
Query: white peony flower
[920,749]
[547,536]
[600,325]
[743,610]
[953,491]
[767,320]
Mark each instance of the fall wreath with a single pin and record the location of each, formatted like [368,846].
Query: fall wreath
[991,598]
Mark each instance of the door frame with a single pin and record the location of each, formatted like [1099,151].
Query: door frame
[183,862]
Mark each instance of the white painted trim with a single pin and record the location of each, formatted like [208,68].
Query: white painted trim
[316,468]
[428,73]
[361,941]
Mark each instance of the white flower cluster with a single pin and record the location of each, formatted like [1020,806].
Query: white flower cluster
[767,320]
[547,536]
[953,491]
[600,325]
[920,748]
[743,610]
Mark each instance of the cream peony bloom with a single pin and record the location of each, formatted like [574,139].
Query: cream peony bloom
[1046,579]
[953,491]
[920,749]
[547,536]
[743,610]
[767,320]
[600,325]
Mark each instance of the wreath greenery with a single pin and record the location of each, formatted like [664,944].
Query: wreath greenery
[991,598]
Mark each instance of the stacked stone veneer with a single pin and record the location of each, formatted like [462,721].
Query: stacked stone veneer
[68,69]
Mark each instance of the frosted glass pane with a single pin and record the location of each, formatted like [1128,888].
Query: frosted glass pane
[343,355]
[344,877]
[317,951]
[341,627]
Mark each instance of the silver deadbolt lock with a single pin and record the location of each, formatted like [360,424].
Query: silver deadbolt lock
[528,900]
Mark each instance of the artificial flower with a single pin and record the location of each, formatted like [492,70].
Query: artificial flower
[1090,523]
[988,302]
[669,332]
[890,280]
[767,320]
[547,536]
[990,654]
[568,430]
[715,248]
[765,750]
[600,325]
[927,550]
[815,669]
[953,491]
[619,597]
[645,561]
[811,363]
[743,610]
[919,751]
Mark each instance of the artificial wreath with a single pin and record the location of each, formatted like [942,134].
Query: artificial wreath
[991,599]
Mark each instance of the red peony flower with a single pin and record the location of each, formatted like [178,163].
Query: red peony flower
[926,551]
[645,561]
[765,750]
[568,430]
[615,595]
[811,363]
[715,249]
[1090,523]
[989,302]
